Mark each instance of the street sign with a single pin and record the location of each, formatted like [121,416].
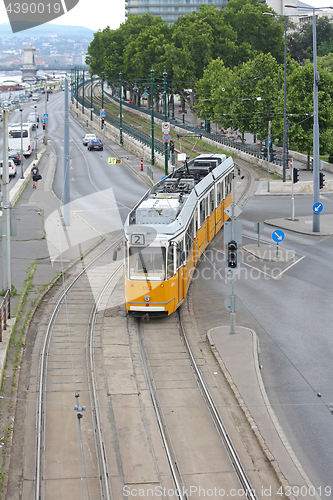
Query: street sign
[43,120]
[291,163]
[258,227]
[45,115]
[317,207]
[237,211]
[165,127]
[237,236]
[102,113]
[278,235]
[181,157]
[166,138]
[228,303]
[114,161]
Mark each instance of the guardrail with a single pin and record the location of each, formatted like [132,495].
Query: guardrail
[130,130]
[251,150]
[4,313]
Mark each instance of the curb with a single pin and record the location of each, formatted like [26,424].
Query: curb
[262,443]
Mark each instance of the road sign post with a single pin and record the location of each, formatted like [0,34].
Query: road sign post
[292,191]
[277,236]
[258,227]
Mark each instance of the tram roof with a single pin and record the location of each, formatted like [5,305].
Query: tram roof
[167,207]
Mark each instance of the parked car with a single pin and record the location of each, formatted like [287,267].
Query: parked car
[15,157]
[87,138]
[32,119]
[35,97]
[11,166]
[95,144]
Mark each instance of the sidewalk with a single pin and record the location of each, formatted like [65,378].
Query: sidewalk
[42,238]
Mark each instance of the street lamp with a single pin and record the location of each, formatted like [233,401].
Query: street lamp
[152,118]
[316,81]
[21,154]
[284,97]
[91,95]
[35,131]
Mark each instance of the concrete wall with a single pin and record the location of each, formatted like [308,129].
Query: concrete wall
[129,143]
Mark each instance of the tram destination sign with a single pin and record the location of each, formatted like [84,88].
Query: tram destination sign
[137,239]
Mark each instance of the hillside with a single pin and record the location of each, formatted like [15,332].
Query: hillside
[47,29]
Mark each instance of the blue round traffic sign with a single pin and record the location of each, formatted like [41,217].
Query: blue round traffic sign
[278,235]
[317,207]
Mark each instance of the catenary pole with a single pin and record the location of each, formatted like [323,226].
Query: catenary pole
[66,202]
[6,255]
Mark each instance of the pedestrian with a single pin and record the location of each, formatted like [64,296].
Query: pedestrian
[35,176]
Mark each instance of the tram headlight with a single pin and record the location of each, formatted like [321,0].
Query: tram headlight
[147,298]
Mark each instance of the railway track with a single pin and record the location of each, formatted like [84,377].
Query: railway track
[169,359]
[66,343]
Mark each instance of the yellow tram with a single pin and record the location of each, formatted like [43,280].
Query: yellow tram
[168,230]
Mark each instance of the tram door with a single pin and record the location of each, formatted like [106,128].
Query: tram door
[181,272]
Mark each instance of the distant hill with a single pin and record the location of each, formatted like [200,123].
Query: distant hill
[46,30]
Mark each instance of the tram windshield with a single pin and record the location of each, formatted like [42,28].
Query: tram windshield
[147,262]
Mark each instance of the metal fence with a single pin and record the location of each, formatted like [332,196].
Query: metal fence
[159,146]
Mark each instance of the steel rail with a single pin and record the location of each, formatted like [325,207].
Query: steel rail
[233,456]
[95,406]
[175,472]
[42,369]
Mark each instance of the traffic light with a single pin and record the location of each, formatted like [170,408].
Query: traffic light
[321,180]
[103,122]
[232,254]
[172,147]
[295,175]
[43,126]
[272,155]
[264,152]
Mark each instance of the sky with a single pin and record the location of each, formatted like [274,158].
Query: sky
[93,14]
[98,14]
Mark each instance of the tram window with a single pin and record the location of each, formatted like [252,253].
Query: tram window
[219,193]
[202,212]
[148,262]
[189,237]
[170,262]
[180,249]
[211,201]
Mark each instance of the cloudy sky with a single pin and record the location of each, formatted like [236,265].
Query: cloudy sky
[97,14]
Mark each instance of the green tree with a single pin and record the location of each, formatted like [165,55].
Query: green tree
[300,109]
[256,33]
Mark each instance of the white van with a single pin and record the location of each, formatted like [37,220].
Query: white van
[14,138]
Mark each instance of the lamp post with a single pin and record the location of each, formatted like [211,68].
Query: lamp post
[152,117]
[77,88]
[165,119]
[284,96]
[120,109]
[316,81]
[35,131]
[21,154]
[83,91]
[103,89]
[91,94]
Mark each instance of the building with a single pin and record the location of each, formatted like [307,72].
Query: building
[29,69]
[169,10]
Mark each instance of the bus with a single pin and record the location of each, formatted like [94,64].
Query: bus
[14,138]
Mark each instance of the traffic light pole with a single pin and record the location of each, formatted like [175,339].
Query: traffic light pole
[233,313]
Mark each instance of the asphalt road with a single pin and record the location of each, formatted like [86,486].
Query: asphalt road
[293,319]
[291,315]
